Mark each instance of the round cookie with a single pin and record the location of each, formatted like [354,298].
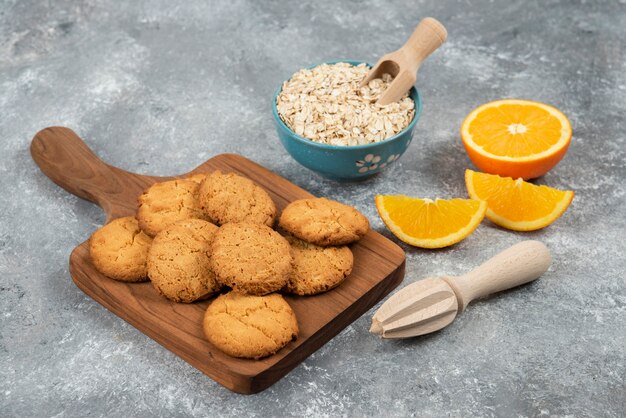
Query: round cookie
[119,250]
[250,326]
[317,269]
[167,202]
[251,258]
[233,198]
[323,222]
[178,261]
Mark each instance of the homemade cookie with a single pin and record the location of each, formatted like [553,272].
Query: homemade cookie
[119,250]
[323,222]
[251,258]
[250,326]
[167,202]
[178,261]
[317,269]
[233,198]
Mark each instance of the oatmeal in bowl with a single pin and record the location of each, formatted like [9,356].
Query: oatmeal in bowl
[331,125]
[325,104]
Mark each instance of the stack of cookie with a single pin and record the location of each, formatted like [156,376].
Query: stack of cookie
[206,234]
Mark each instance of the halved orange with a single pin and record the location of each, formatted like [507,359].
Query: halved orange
[430,224]
[516,204]
[516,138]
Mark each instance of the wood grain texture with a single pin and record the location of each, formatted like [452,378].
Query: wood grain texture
[431,304]
[403,63]
[515,266]
[378,267]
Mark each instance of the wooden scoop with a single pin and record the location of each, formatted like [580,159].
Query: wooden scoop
[404,63]
[430,304]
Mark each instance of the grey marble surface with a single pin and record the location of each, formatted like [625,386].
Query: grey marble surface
[159,87]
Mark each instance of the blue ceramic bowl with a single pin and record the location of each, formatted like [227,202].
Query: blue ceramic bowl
[346,163]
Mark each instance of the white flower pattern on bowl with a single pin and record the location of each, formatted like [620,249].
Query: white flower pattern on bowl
[371,162]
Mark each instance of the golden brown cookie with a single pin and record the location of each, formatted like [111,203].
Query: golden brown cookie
[167,202]
[250,326]
[178,261]
[119,250]
[232,198]
[251,258]
[323,221]
[317,269]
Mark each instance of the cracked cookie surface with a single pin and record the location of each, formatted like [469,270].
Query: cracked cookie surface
[250,326]
[323,221]
[198,178]
[167,202]
[317,269]
[251,258]
[119,250]
[232,198]
[178,261]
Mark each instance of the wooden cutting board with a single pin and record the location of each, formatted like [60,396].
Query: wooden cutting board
[378,267]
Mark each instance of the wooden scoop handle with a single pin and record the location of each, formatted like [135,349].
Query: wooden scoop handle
[517,265]
[69,162]
[404,63]
[429,35]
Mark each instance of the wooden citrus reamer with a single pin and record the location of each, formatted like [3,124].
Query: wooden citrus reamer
[430,304]
[404,63]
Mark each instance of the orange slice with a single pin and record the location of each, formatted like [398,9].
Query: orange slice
[516,138]
[516,204]
[430,224]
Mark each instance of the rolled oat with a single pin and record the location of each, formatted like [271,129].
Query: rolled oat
[325,104]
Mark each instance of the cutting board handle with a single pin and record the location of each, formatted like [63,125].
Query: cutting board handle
[71,164]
